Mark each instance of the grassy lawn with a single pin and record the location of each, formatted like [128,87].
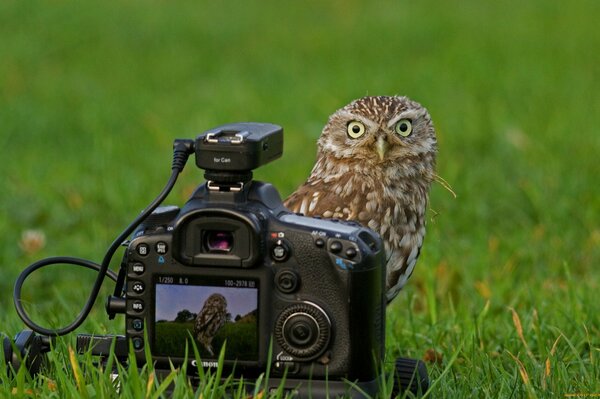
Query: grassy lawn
[501,304]
[241,340]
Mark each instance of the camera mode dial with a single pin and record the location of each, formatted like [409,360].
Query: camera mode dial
[303,330]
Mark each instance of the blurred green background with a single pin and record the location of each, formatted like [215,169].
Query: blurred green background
[93,93]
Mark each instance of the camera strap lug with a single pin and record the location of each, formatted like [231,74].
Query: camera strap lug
[232,187]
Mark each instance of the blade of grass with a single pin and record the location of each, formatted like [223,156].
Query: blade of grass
[524,376]
[584,372]
[446,370]
[164,385]
[518,326]
[219,373]
[547,368]
[82,388]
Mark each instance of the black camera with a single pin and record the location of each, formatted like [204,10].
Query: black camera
[235,276]
[234,266]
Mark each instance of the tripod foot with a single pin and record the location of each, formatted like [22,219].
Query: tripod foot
[411,375]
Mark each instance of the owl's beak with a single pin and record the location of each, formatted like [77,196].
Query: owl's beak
[381,146]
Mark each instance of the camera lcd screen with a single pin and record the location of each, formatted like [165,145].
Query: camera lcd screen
[207,310]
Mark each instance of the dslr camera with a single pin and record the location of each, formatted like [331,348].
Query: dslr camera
[233,266]
[240,280]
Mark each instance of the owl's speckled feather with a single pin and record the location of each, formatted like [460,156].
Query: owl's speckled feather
[380,179]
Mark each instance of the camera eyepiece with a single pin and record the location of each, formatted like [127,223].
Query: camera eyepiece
[217,238]
[216,241]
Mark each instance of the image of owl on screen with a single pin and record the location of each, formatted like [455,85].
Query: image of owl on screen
[210,320]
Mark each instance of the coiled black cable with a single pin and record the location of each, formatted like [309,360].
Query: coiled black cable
[182,149]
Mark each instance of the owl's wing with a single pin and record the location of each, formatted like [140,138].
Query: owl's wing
[317,198]
[402,242]
[205,318]
[300,199]
[312,201]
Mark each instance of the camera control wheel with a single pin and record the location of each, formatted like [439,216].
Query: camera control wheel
[303,330]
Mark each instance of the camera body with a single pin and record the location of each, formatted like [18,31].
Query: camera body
[235,280]
[301,296]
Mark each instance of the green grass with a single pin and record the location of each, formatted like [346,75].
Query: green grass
[504,299]
[172,336]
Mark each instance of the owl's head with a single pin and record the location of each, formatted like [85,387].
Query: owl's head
[382,130]
[216,301]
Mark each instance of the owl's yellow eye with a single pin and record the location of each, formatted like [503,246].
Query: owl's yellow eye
[404,127]
[356,129]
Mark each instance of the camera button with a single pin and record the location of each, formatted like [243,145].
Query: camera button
[137,324]
[319,242]
[137,306]
[138,343]
[161,248]
[137,287]
[142,249]
[289,367]
[280,251]
[287,281]
[138,268]
[351,253]
[335,247]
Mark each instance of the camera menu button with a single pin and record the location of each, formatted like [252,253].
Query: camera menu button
[138,268]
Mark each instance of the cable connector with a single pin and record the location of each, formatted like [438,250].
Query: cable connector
[182,149]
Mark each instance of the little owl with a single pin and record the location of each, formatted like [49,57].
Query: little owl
[375,164]
[210,320]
